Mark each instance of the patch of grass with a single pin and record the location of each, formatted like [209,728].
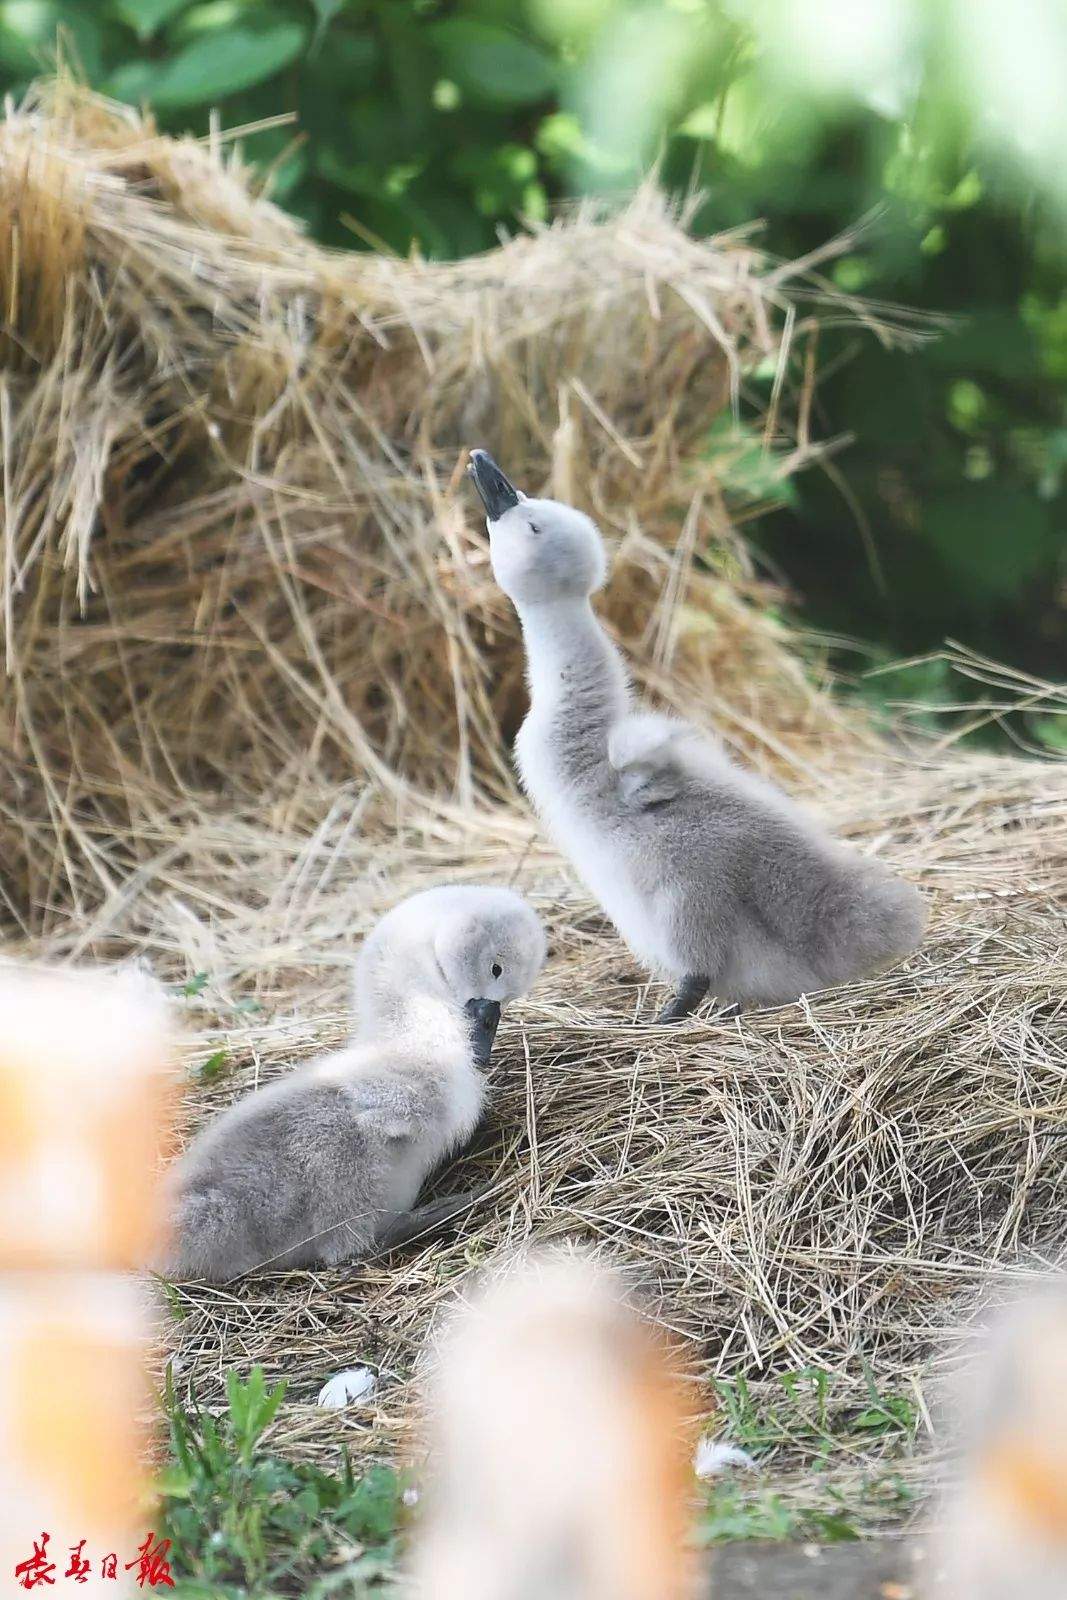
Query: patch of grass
[242,1522]
[810,1414]
[811,1508]
[828,1484]
[245,1523]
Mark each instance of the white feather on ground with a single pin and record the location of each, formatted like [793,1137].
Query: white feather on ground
[713,1456]
[345,1388]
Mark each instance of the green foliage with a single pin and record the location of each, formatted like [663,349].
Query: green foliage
[808,1413]
[752,474]
[216,64]
[214,1067]
[812,1441]
[243,1521]
[434,124]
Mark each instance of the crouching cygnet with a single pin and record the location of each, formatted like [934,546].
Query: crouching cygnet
[325,1166]
[713,877]
[1002,1532]
[559,1465]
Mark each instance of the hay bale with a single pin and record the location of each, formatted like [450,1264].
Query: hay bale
[260,682]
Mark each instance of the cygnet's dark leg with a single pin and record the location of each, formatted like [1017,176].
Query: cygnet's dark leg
[424,1220]
[691,992]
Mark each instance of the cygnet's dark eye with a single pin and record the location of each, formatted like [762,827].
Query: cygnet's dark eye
[534,528]
[496,969]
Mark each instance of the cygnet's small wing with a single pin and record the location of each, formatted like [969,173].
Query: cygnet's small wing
[646,751]
[390,1106]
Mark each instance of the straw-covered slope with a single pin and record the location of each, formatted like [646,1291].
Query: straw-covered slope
[260,683]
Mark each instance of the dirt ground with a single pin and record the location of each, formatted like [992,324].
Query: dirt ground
[874,1569]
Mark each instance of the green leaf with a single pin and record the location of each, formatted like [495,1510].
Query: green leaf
[27,30]
[370,1513]
[733,1514]
[132,82]
[746,467]
[832,1527]
[176,1482]
[196,985]
[492,64]
[211,16]
[703,122]
[213,1067]
[177,1310]
[325,11]
[1052,731]
[223,63]
[993,537]
[146,17]
[252,1408]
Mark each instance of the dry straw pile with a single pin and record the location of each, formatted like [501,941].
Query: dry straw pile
[259,683]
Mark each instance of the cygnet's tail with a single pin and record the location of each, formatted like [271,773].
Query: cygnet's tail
[206,1236]
[558,1437]
[871,919]
[1005,1522]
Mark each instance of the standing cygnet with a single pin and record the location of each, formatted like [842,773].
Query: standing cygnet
[325,1165]
[713,877]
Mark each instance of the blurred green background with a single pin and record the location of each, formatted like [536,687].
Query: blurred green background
[434,125]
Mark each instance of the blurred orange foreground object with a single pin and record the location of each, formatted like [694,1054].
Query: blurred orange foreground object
[72,1391]
[86,1102]
[1003,1531]
[85,1107]
[560,1465]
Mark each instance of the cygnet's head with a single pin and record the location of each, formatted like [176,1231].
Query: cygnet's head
[542,551]
[470,946]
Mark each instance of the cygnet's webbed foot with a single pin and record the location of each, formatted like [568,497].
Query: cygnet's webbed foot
[425,1220]
[691,992]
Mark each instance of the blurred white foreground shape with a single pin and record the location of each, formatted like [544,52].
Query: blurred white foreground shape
[560,1464]
[1004,1534]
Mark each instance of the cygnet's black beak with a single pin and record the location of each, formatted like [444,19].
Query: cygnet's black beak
[498,493]
[484,1015]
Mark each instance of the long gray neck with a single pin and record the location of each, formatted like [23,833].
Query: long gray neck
[578,682]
